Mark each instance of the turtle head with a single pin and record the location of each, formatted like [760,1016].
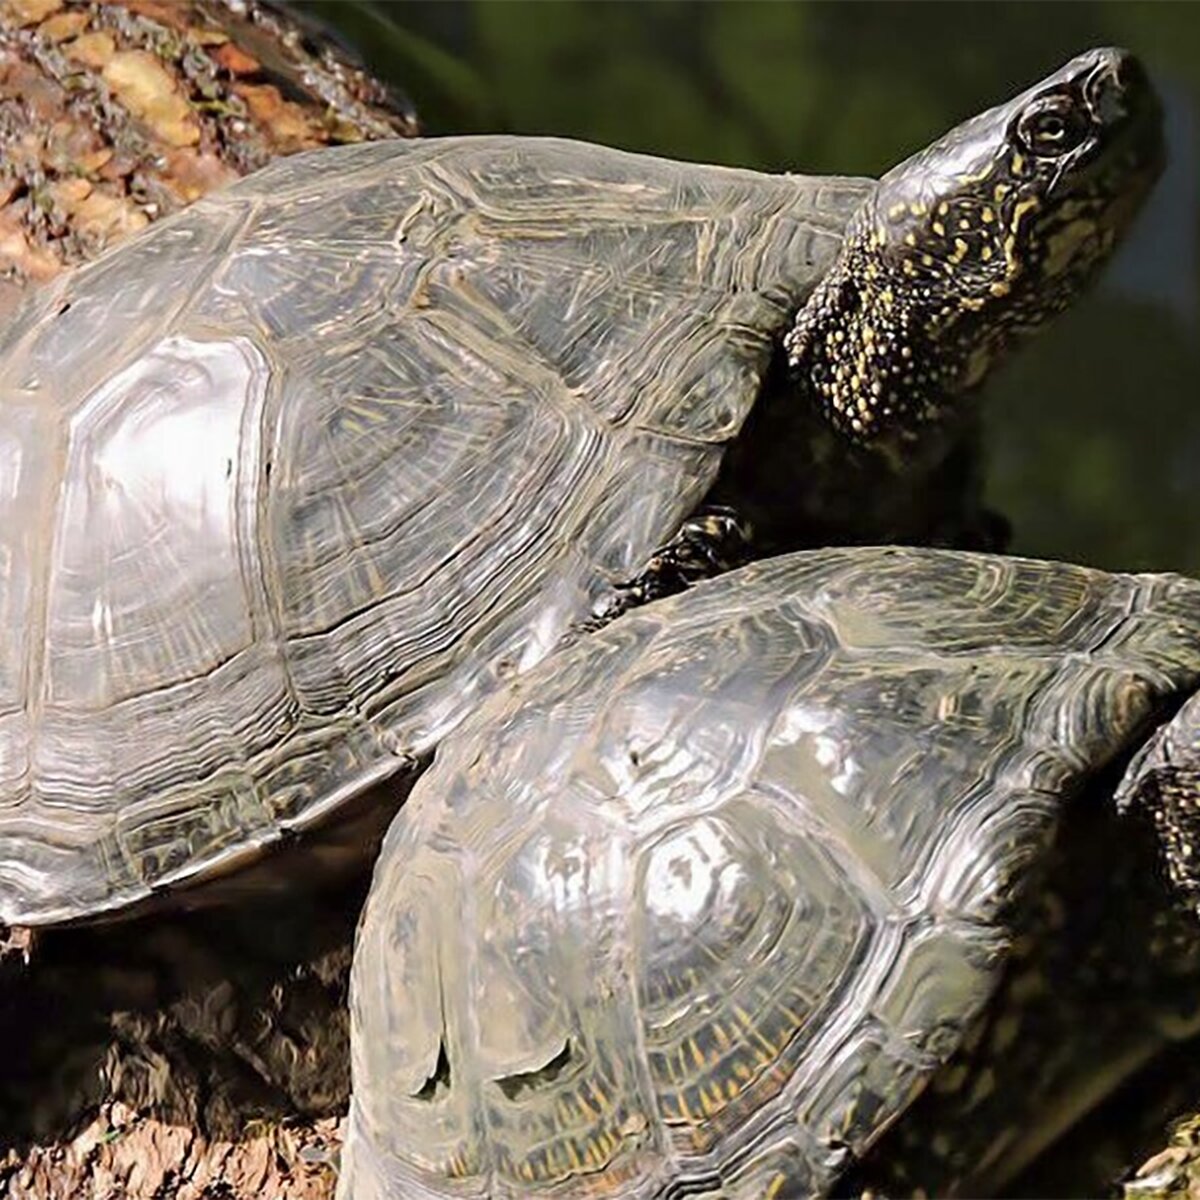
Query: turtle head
[975,241]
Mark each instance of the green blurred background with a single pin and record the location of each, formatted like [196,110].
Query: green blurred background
[1093,446]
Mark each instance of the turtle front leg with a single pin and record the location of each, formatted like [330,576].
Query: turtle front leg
[1163,782]
[714,540]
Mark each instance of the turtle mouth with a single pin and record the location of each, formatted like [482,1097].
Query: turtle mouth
[1112,86]
[1123,103]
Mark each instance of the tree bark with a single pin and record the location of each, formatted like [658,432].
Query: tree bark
[115,113]
[1174,1172]
[178,1057]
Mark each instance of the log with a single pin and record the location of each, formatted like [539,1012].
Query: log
[116,113]
[180,1056]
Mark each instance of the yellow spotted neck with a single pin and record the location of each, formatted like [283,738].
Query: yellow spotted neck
[877,354]
[922,302]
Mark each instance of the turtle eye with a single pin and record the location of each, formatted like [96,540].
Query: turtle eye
[1052,128]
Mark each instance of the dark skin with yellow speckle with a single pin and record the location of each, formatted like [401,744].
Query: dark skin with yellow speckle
[973,243]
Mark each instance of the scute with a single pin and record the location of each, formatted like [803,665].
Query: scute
[68,338]
[296,477]
[161,462]
[750,855]
[751,933]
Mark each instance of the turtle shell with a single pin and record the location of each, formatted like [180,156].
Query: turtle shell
[699,905]
[290,481]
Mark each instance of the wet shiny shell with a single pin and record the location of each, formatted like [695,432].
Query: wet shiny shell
[696,907]
[290,481]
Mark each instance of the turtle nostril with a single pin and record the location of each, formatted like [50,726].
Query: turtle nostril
[1117,87]
[1131,75]
[1105,92]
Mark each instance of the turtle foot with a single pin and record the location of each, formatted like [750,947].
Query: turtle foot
[716,539]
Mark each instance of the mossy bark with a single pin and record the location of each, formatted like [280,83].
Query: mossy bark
[206,1055]
[180,1057]
[1174,1172]
[115,113]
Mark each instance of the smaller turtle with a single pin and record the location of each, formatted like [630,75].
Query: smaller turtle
[700,906]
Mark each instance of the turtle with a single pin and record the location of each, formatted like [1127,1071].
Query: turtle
[295,478]
[698,907]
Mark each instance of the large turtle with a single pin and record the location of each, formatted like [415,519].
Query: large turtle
[697,908]
[292,480]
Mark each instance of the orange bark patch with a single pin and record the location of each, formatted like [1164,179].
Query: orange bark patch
[28,12]
[235,61]
[140,82]
[191,175]
[93,50]
[63,25]
[289,124]
[105,216]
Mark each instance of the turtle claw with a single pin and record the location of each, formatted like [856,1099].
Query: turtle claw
[716,539]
